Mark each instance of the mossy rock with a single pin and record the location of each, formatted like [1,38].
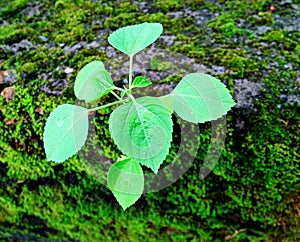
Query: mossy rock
[254,188]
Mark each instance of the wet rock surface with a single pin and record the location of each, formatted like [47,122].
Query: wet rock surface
[80,45]
[16,48]
[201,16]
[246,92]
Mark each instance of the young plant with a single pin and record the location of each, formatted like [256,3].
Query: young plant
[140,127]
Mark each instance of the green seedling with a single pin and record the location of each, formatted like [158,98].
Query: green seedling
[140,127]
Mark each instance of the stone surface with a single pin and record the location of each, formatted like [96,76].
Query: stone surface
[23,45]
[8,76]
[246,92]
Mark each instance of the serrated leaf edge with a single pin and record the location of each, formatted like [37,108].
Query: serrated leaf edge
[226,110]
[138,160]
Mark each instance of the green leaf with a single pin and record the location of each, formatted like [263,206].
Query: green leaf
[200,97]
[142,129]
[141,81]
[123,93]
[65,132]
[126,181]
[167,102]
[132,39]
[92,82]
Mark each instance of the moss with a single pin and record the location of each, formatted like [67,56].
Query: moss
[24,167]
[266,18]
[28,67]
[175,78]
[20,114]
[158,64]
[11,33]
[225,24]
[235,59]
[229,29]
[121,20]
[275,35]
[223,19]
[242,9]
[125,7]
[8,9]
[155,17]
[33,62]
[297,49]
[42,200]
[53,203]
[166,6]
[199,4]
[192,50]
[72,19]
[77,34]
[280,36]
[60,4]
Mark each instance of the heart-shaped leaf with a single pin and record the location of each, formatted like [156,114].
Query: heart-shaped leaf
[200,97]
[92,82]
[126,181]
[142,129]
[134,38]
[141,81]
[65,132]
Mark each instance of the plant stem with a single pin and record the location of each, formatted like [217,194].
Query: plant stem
[119,89]
[130,70]
[105,106]
[132,97]
[116,95]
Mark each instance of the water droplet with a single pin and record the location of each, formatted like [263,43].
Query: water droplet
[59,122]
